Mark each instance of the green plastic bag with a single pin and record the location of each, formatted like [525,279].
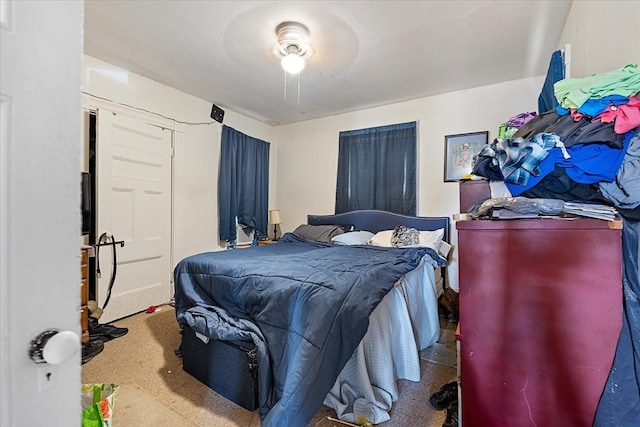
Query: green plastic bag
[97,404]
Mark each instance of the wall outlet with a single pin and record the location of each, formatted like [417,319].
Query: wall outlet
[46,377]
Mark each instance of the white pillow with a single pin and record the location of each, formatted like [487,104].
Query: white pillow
[352,238]
[382,238]
[431,238]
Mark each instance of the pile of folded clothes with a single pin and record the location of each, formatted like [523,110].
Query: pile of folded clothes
[585,150]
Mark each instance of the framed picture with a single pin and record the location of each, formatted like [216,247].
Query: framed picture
[459,152]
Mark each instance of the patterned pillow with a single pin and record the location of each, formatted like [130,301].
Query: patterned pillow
[404,236]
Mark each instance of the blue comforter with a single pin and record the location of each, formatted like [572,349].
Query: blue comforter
[306,305]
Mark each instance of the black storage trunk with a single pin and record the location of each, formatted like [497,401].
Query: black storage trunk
[228,367]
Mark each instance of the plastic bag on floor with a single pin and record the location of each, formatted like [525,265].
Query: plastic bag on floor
[97,404]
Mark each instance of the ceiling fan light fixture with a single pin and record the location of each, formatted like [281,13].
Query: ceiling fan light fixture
[293,46]
[293,63]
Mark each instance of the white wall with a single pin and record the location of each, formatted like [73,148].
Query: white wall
[197,147]
[308,151]
[603,35]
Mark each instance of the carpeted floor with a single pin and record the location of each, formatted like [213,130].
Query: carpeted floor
[155,391]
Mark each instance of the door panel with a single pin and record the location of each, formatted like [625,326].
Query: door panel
[134,205]
[41,51]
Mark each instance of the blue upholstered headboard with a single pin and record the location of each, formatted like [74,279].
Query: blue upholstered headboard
[375,221]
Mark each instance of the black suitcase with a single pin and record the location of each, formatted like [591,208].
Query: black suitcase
[227,367]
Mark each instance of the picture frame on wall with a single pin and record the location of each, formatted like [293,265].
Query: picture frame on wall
[459,152]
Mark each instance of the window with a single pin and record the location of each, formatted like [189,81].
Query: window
[377,169]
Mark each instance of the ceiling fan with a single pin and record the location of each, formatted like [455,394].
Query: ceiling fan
[293,46]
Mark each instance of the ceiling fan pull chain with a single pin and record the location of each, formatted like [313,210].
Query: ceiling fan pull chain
[285,85]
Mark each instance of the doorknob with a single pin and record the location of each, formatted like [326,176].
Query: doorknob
[54,347]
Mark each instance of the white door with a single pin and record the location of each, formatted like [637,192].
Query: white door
[134,206]
[41,53]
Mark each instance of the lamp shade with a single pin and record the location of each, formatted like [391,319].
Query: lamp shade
[274,217]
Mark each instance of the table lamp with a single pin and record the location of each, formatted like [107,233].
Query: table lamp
[274,218]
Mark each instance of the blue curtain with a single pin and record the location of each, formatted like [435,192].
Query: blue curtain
[547,98]
[243,183]
[377,169]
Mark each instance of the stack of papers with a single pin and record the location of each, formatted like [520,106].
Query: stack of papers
[590,210]
[524,207]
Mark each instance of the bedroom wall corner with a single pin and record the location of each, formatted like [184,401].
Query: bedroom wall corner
[603,36]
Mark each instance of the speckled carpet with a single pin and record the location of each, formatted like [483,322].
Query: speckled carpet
[155,391]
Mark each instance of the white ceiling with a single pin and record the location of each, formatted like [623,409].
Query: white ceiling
[367,53]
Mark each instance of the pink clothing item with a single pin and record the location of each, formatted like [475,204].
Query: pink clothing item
[626,116]
[577,116]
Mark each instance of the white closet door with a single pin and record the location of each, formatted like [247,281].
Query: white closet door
[134,205]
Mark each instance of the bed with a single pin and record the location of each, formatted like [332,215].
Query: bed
[332,323]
